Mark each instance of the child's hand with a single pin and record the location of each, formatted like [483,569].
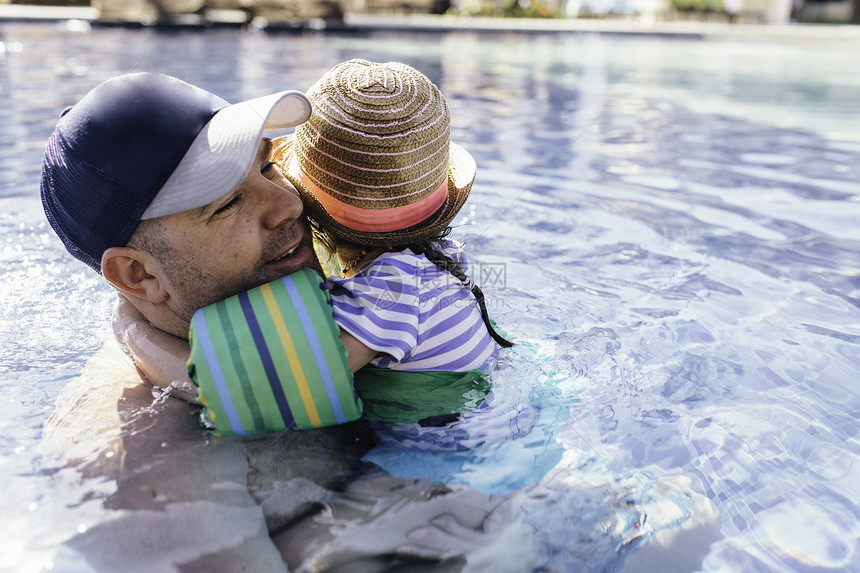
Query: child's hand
[160,357]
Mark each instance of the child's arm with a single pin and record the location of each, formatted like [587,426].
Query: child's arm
[162,357]
[358,354]
[159,356]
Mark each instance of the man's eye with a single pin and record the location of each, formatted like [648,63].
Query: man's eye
[234,202]
[269,169]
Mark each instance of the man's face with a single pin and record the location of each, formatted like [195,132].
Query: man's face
[255,234]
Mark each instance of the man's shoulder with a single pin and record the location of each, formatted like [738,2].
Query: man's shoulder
[97,412]
[86,419]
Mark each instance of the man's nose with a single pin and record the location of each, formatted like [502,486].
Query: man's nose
[282,205]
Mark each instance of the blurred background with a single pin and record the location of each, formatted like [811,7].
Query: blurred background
[331,12]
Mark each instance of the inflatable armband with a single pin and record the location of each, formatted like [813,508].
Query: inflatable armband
[271,359]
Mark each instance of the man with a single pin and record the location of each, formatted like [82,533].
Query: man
[169,193]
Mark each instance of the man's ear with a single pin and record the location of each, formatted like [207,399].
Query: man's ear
[134,272]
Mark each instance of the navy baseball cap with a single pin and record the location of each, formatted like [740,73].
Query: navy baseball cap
[141,146]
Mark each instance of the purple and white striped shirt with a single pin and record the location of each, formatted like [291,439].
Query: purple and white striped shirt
[419,316]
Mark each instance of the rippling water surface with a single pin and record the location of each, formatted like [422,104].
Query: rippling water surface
[669,227]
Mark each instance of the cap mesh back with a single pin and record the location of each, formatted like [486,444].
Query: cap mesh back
[108,216]
[111,153]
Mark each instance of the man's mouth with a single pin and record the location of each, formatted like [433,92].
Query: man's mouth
[297,253]
[287,254]
[291,260]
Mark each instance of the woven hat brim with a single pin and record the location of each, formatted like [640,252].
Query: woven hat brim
[461,175]
[222,153]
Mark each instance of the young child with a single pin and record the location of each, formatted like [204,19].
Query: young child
[381,182]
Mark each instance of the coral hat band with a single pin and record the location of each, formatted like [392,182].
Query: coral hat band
[377,220]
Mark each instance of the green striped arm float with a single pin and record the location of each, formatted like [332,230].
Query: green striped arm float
[271,359]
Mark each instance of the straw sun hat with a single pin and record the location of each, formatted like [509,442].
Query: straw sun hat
[374,162]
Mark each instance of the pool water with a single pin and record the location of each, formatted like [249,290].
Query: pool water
[668,227]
